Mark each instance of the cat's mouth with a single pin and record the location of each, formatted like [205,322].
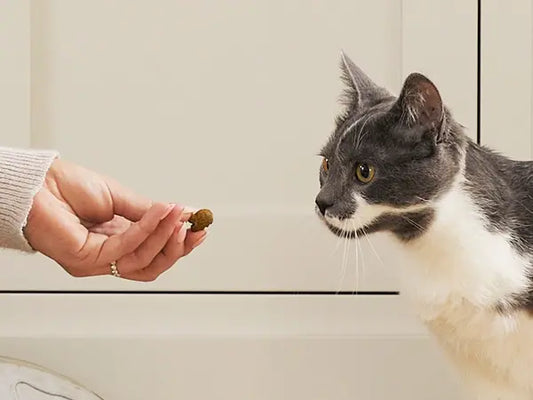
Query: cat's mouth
[406,226]
[345,232]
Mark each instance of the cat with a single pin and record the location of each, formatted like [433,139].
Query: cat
[462,213]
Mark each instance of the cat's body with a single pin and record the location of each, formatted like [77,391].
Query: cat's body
[466,280]
[462,214]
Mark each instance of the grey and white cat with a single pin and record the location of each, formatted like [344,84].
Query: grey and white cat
[462,213]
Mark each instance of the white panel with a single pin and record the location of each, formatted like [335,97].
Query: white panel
[506,73]
[206,315]
[440,41]
[229,347]
[15,73]
[262,368]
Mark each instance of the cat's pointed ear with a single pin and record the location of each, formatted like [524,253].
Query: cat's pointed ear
[420,104]
[362,92]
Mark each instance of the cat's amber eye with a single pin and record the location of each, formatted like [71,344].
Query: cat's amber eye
[364,172]
[325,164]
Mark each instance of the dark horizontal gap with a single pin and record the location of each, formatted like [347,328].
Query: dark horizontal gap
[208,292]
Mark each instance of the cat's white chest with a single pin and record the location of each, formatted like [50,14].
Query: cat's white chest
[459,273]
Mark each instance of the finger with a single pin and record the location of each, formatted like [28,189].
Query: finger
[127,203]
[193,240]
[152,246]
[188,212]
[172,252]
[185,216]
[118,246]
[117,225]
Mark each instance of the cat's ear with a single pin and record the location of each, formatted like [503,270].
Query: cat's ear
[361,91]
[419,104]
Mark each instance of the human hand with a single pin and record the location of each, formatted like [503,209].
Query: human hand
[85,221]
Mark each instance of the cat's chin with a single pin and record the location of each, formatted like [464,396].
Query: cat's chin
[343,233]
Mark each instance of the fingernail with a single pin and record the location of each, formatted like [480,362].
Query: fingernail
[182,233]
[170,207]
[190,210]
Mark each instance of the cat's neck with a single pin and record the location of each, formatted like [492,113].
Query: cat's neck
[460,258]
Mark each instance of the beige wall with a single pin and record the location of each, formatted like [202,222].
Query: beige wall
[15,72]
[506,104]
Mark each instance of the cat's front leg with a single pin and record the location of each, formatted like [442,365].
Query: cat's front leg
[480,380]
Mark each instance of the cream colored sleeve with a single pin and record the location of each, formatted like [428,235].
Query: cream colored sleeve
[22,174]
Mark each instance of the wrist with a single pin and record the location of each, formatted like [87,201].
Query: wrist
[52,175]
[24,173]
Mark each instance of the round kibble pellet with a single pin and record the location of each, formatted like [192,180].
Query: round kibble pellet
[201,219]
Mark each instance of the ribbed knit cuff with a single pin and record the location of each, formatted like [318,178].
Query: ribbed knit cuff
[22,174]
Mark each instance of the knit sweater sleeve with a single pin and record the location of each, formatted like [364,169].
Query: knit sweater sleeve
[22,174]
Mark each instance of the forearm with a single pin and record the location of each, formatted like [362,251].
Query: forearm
[22,173]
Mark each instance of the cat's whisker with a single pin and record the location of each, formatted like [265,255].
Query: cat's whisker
[344,257]
[335,249]
[371,245]
[348,245]
[412,223]
[343,261]
[357,265]
[357,249]
[349,241]
[422,199]
[363,267]
[339,241]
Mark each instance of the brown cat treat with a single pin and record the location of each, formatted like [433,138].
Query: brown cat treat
[201,219]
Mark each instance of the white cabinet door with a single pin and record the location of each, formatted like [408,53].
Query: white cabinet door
[15,73]
[506,77]
[224,105]
[162,347]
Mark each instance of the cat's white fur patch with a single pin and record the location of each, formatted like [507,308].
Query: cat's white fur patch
[459,273]
[367,213]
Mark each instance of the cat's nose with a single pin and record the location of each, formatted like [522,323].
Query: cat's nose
[323,203]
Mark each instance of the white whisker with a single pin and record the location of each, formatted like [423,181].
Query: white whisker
[412,223]
[362,260]
[357,249]
[344,264]
[371,245]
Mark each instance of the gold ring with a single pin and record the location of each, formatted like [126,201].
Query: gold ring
[114,270]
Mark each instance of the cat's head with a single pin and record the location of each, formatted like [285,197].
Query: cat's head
[389,158]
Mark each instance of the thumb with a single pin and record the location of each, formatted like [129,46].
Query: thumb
[126,203]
